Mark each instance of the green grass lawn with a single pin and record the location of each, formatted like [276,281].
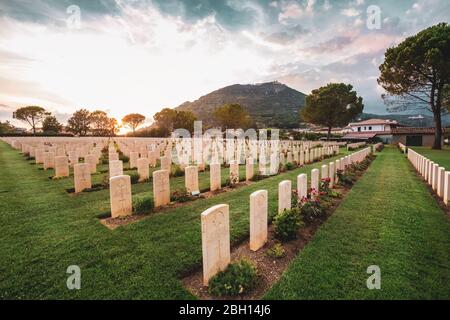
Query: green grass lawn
[388,219]
[44,230]
[439,156]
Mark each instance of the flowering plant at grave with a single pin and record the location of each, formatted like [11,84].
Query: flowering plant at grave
[295,198]
[324,187]
[311,209]
[313,193]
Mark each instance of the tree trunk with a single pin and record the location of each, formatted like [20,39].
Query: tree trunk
[329,133]
[438,134]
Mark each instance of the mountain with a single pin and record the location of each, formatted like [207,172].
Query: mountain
[271,104]
[417,120]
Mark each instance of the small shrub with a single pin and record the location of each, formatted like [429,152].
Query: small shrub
[324,186]
[294,198]
[277,251]
[143,204]
[134,177]
[181,195]
[289,166]
[237,278]
[311,210]
[287,223]
[257,177]
[124,158]
[177,171]
[344,178]
[104,161]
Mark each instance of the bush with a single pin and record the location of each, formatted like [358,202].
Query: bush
[124,158]
[257,177]
[177,171]
[181,195]
[143,204]
[287,223]
[277,251]
[134,177]
[344,178]
[311,210]
[239,277]
[324,187]
[289,166]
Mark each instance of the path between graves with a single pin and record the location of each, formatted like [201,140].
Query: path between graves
[44,231]
[388,219]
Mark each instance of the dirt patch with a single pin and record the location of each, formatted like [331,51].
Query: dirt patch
[270,269]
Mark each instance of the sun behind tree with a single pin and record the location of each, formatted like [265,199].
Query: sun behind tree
[133,121]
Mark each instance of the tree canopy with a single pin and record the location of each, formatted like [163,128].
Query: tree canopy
[232,116]
[6,127]
[99,123]
[416,74]
[33,115]
[334,105]
[51,125]
[79,123]
[133,121]
[169,119]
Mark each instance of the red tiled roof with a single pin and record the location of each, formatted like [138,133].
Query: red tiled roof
[373,122]
[360,135]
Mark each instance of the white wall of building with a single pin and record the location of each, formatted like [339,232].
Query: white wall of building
[370,128]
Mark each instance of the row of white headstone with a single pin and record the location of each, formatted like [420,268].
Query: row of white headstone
[356,145]
[120,184]
[215,224]
[402,147]
[434,175]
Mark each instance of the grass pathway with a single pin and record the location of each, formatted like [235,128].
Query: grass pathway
[388,219]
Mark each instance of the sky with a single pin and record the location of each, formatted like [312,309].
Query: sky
[126,56]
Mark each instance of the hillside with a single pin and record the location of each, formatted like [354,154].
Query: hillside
[271,104]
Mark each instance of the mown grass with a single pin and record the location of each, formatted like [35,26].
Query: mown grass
[44,230]
[388,219]
[439,156]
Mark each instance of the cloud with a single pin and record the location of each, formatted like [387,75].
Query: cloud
[288,35]
[350,12]
[142,55]
[294,10]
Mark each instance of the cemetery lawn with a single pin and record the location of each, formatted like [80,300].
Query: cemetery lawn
[442,157]
[44,230]
[388,219]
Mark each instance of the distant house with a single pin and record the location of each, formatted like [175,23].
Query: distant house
[389,131]
[373,125]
